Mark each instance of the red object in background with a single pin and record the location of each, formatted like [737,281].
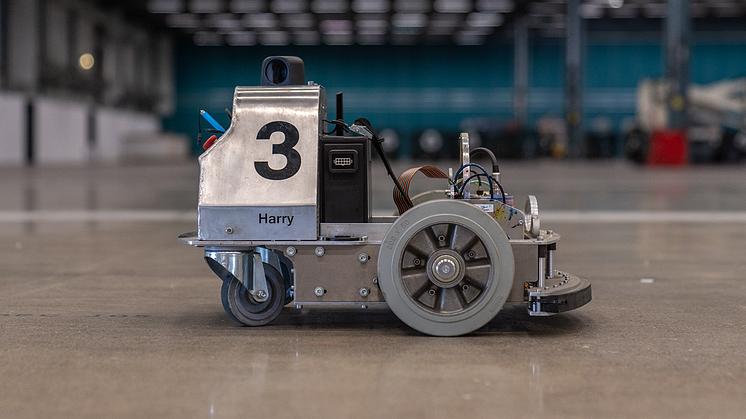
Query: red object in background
[668,147]
[209,142]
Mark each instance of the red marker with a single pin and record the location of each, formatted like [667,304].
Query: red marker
[209,142]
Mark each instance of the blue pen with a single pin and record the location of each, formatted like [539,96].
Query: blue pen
[211,120]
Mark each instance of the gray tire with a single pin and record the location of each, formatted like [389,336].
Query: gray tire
[445,268]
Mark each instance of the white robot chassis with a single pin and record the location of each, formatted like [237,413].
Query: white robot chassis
[284,217]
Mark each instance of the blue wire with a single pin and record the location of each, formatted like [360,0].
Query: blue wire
[466,183]
[458,172]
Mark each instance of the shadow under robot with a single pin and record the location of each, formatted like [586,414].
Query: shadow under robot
[285,217]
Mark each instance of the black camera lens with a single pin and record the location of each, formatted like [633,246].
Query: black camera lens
[276,71]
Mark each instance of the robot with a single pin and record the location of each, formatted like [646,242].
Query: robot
[284,216]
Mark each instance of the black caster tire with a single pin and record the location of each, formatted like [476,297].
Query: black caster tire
[242,307]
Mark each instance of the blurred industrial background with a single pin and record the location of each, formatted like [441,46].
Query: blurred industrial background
[104,81]
[625,118]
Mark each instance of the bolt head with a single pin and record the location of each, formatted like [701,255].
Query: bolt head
[229,230]
[290,251]
[319,291]
[362,257]
[261,294]
[364,292]
[319,251]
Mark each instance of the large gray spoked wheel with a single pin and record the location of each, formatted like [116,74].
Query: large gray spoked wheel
[242,307]
[445,268]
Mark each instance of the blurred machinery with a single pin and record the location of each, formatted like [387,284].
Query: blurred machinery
[717,120]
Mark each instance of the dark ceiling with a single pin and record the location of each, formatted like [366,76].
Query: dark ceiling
[345,22]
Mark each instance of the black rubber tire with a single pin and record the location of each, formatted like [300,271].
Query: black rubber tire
[241,306]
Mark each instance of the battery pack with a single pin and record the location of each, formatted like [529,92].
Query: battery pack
[345,179]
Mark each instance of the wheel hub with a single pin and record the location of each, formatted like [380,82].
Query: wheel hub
[445,268]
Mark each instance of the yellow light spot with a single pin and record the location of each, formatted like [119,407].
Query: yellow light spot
[86,61]
[677,103]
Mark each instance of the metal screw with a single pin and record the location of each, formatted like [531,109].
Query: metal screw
[550,232]
[319,291]
[261,294]
[472,254]
[520,222]
[298,306]
[441,238]
[319,251]
[364,306]
[465,287]
[364,292]
[554,286]
[290,251]
[362,257]
[375,280]
[229,230]
[546,288]
[431,291]
[417,262]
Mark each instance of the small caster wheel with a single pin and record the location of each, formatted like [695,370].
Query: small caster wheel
[242,307]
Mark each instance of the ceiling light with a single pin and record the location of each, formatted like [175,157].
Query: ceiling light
[335,27]
[182,20]
[248,6]
[726,10]
[654,10]
[484,20]
[165,6]
[206,6]
[495,6]
[330,6]
[409,20]
[306,38]
[207,39]
[626,11]
[288,6]
[371,6]
[452,6]
[404,39]
[224,21]
[338,39]
[372,24]
[468,38]
[546,9]
[260,20]
[371,40]
[440,30]
[412,6]
[274,38]
[445,21]
[86,61]
[240,39]
[300,20]
[591,11]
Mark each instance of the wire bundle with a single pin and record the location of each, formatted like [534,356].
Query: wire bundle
[406,178]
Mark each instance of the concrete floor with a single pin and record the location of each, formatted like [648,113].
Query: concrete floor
[104,314]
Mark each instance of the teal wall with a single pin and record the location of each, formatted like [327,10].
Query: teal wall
[414,88]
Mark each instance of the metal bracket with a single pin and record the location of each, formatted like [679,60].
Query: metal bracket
[258,287]
[563,292]
[249,272]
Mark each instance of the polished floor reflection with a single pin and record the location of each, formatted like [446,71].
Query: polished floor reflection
[109,316]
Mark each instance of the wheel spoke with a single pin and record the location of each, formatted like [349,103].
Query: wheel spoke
[468,244]
[478,271]
[415,280]
[422,244]
[449,300]
[469,290]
